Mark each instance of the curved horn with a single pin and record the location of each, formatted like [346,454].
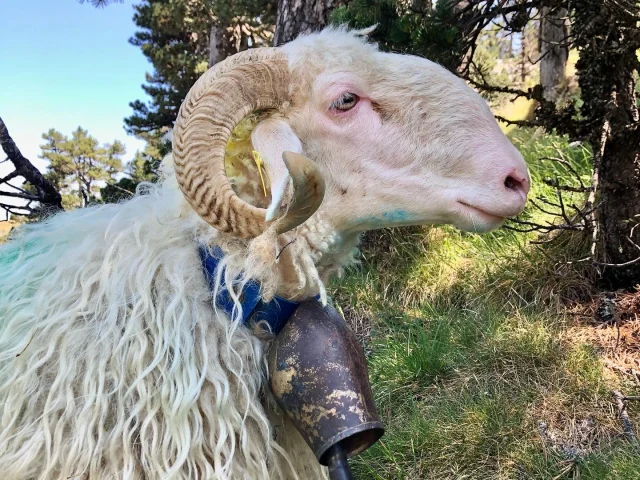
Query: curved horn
[308,191]
[219,100]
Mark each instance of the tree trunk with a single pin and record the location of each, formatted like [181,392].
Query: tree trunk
[421,6]
[553,50]
[607,38]
[216,45]
[523,59]
[301,16]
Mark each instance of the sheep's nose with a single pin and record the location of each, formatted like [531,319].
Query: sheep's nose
[519,183]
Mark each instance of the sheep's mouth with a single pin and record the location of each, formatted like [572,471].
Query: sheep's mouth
[483,214]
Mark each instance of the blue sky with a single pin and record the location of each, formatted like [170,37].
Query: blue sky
[65,64]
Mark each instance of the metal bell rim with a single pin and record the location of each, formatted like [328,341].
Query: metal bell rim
[375,428]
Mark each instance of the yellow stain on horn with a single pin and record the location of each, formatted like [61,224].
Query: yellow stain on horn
[259,162]
[241,167]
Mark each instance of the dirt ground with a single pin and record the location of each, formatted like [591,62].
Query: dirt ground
[5,228]
[612,324]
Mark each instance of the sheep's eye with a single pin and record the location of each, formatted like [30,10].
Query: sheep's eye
[345,102]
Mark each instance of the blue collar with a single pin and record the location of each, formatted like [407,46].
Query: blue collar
[275,313]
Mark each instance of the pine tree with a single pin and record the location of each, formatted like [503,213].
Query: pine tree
[424,28]
[607,37]
[175,35]
[79,165]
[100,3]
[142,168]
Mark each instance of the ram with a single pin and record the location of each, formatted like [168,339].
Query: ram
[117,357]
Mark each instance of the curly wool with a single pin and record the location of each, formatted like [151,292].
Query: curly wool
[114,362]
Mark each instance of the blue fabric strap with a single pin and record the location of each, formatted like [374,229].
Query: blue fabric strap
[275,313]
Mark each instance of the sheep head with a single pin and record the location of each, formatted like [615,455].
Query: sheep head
[384,139]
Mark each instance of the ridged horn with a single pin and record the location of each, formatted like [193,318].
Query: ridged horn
[308,191]
[248,81]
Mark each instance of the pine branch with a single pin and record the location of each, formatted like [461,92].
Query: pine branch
[101,3]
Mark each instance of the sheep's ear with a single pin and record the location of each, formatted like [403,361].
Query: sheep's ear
[271,138]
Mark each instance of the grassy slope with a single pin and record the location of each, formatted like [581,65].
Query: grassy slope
[473,368]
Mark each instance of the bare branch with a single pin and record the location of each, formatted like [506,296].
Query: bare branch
[542,209]
[553,182]
[11,176]
[123,190]
[569,167]
[519,123]
[537,227]
[562,209]
[15,187]
[625,264]
[583,215]
[46,194]
[624,416]
[14,209]
[25,196]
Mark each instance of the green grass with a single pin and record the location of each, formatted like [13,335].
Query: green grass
[472,369]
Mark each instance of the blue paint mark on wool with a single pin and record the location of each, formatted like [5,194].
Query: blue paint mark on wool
[17,250]
[396,216]
[387,218]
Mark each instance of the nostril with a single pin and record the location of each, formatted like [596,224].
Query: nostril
[520,186]
[512,184]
